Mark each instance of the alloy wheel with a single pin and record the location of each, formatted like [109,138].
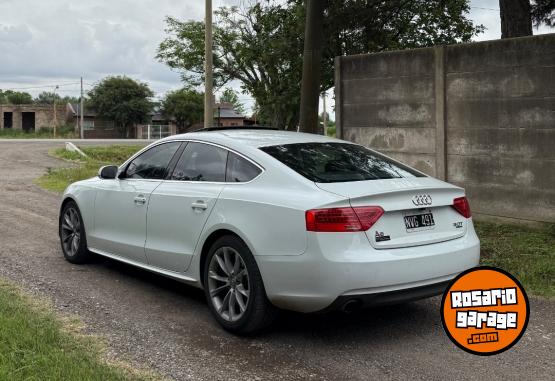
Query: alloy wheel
[71,231]
[228,284]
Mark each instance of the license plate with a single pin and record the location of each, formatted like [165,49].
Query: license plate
[419,222]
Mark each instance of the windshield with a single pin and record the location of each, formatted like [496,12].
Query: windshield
[338,162]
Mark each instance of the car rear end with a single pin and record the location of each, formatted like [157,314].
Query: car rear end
[397,236]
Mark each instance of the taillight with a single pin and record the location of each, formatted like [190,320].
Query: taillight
[342,219]
[462,206]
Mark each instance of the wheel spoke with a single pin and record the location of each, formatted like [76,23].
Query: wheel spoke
[67,237]
[74,244]
[225,302]
[231,305]
[65,226]
[222,264]
[67,219]
[243,291]
[216,291]
[240,301]
[227,260]
[217,277]
[237,264]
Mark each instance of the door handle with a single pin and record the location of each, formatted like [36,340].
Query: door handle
[199,205]
[140,200]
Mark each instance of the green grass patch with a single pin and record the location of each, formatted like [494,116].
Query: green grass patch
[65,132]
[526,252]
[57,180]
[37,345]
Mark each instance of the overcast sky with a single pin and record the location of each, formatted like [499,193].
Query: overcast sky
[44,43]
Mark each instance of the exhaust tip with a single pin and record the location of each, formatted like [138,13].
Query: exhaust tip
[351,306]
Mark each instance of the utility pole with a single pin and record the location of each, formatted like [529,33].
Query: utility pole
[324,96]
[55,111]
[209,74]
[312,62]
[82,116]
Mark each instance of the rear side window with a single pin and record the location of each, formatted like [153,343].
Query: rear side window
[153,163]
[338,162]
[240,170]
[201,162]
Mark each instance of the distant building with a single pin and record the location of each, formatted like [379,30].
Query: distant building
[226,116]
[32,118]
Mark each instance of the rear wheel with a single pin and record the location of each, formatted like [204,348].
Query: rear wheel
[234,288]
[72,234]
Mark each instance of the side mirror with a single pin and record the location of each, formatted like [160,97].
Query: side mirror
[109,172]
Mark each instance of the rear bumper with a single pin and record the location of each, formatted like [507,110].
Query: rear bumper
[352,302]
[340,267]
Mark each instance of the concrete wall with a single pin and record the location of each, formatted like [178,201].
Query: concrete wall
[44,115]
[479,115]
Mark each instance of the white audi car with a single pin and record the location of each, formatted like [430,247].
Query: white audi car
[264,220]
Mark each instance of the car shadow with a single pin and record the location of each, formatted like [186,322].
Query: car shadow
[372,324]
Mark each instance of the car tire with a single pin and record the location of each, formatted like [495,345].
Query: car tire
[242,306]
[72,234]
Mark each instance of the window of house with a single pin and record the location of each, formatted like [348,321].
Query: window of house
[88,124]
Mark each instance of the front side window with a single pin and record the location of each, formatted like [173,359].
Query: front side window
[152,164]
[338,162]
[240,170]
[201,162]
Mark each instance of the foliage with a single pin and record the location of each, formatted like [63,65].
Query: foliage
[543,12]
[57,180]
[36,345]
[122,100]
[15,97]
[527,253]
[48,98]
[230,96]
[262,45]
[185,105]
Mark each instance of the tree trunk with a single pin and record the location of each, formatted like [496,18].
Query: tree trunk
[312,62]
[516,18]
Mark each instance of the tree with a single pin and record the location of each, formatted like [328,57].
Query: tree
[262,45]
[185,105]
[543,12]
[48,98]
[516,18]
[230,96]
[122,100]
[15,97]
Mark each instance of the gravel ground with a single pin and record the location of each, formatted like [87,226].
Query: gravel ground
[166,326]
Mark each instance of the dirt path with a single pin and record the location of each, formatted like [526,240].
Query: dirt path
[165,325]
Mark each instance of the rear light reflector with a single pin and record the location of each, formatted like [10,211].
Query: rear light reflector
[356,219]
[462,206]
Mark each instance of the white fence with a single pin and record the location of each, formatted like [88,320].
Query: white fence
[153,131]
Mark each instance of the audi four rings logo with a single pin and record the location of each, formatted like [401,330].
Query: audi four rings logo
[422,200]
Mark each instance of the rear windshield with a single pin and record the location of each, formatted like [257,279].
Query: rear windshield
[338,162]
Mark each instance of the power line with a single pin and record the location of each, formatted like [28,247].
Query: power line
[487,9]
[42,86]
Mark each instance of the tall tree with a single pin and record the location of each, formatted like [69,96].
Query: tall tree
[15,97]
[230,96]
[47,98]
[185,105]
[543,12]
[122,100]
[262,45]
[516,18]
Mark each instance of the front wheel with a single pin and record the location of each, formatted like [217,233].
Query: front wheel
[72,234]
[234,288]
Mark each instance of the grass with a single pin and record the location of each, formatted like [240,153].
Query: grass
[57,180]
[526,252]
[65,132]
[37,345]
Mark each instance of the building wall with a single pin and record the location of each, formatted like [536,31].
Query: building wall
[479,115]
[44,115]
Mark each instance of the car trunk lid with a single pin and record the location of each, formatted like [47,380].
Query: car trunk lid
[417,211]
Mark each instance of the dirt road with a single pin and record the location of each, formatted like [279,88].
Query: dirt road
[158,323]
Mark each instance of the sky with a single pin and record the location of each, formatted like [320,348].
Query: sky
[49,43]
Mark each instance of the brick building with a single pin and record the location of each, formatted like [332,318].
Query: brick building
[31,118]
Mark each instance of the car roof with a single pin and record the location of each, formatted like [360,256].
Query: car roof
[253,137]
